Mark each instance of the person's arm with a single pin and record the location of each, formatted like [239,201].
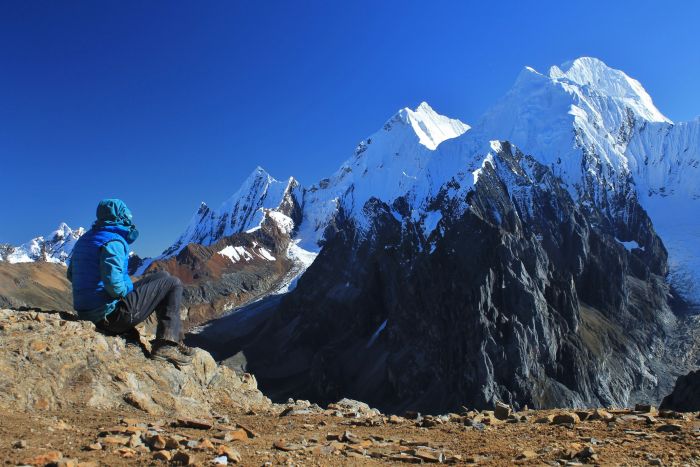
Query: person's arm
[112,270]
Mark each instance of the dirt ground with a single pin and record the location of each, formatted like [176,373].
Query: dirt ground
[325,439]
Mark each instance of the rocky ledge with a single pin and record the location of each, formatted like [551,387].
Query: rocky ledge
[50,361]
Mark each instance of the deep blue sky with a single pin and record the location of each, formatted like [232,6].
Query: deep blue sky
[166,104]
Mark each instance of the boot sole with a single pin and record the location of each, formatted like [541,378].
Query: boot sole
[172,360]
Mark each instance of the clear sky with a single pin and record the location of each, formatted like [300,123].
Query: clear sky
[166,104]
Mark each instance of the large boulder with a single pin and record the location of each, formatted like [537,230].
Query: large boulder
[686,395]
[51,362]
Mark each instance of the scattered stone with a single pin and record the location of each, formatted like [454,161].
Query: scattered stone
[501,411]
[645,408]
[221,460]
[411,415]
[349,437]
[545,419]
[283,445]
[600,414]
[195,423]
[586,453]
[395,420]
[157,442]
[126,453]
[21,444]
[67,463]
[564,418]
[50,457]
[230,453]
[162,456]
[115,440]
[251,433]
[184,458]
[527,454]
[94,447]
[583,415]
[173,441]
[205,444]
[236,435]
[669,428]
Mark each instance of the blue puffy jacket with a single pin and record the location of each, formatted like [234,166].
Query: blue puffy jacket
[99,262]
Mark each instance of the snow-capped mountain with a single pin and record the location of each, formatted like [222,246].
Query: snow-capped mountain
[52,248]
[594,126]
[599,130]
[424,227]
[244,211]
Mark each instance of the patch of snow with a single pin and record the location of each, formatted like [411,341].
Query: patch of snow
[266,254]
[376,334]
[631,245]
[236,253]
[430,222]
[285,223]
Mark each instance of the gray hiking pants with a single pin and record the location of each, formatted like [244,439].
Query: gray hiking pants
[159,292]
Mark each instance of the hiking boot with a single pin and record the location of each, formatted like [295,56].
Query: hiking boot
[177,354]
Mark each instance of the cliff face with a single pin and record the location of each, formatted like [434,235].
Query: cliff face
[524,297]
[685,396]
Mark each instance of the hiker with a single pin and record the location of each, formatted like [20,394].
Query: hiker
[104,294]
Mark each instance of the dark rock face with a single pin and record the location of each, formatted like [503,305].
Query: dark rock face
[519,295]
[686,395]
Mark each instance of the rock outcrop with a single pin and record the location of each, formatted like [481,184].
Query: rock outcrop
[686,394]
[49,362]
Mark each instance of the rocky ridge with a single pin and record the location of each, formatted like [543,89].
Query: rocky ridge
[517,298]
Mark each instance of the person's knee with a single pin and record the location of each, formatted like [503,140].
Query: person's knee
[175,282]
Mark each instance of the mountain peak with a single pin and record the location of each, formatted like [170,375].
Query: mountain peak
[431,127]
[595,74]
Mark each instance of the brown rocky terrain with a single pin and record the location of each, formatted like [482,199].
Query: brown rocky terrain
[39,284]
[72,396]
[214,283]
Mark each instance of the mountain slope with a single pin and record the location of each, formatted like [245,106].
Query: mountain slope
[516,298]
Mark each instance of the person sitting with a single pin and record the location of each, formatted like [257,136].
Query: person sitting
[104,293]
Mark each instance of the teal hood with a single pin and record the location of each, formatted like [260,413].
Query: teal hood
[114,213]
